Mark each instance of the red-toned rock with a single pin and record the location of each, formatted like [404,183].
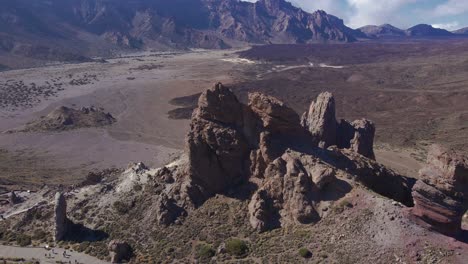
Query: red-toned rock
[441,192]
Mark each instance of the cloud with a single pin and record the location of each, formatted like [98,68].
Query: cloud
[366,12]
[448,26]
[451,7]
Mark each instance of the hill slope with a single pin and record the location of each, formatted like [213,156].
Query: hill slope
[61,29]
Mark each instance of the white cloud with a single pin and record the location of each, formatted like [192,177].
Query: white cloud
[448,26]
[451,7]
[366,12]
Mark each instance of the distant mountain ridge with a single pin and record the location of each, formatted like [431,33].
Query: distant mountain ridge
[387,30]
[462,31]
[74,30]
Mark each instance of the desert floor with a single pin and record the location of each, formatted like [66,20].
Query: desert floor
[139,90]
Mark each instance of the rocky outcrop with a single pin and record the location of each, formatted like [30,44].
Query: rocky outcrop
[216,146]
[371,174]
[65,118]
[13,198]
[320,120]
[363,140]
[61,222]
[441,193]
[119,250]
[264,142]
[288,194]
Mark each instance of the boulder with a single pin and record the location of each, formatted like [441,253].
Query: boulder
[440,194]
[60,217]
[13,199]
[320,120]
[119,250]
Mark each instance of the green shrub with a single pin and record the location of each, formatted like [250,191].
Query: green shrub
[305,253]
[204,252]
[23,240]
[237,247]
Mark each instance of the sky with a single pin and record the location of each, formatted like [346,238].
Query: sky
[447,14]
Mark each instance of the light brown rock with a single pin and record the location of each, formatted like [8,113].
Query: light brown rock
[363,140]
[119,250]
[320,120]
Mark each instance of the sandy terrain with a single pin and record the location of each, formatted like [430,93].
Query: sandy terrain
[135,89]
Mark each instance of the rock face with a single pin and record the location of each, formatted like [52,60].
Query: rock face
[441,193]
[320,120]
[60,217]
[119,250]
[288,194]
[363,140]
[216,147]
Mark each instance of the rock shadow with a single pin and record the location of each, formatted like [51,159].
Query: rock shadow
[79,233]
[335,190]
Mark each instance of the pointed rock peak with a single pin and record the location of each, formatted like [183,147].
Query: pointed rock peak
[219,104]
[275,115]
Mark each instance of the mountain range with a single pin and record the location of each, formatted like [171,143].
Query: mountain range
[77,29]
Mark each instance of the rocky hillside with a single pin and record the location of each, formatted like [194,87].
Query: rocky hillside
[259,183]
[418,31]
[68,29]
[463,31]
[65,118]
[382,31]
[423,30]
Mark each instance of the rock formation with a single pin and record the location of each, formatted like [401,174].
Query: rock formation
[65,118]
[216,147]
[441,193]
[230,144]
[60,217]
[320,120]
[119,250]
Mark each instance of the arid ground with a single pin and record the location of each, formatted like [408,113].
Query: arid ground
[416,93]
[135,89]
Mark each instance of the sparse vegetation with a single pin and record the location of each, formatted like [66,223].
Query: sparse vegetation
[204,252]
[237,247]
[305,253]
[23,240]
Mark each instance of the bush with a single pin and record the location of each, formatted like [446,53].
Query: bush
[237,247]
[305,253]
[205,252]
[121,207]
[39,234]
[23,240]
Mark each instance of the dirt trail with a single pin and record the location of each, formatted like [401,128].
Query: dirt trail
[42,254]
